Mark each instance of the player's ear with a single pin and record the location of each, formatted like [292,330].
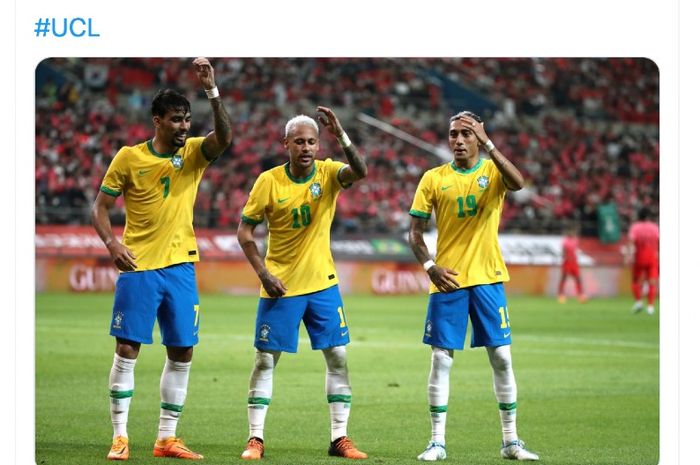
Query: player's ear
[285,142]
[156,121]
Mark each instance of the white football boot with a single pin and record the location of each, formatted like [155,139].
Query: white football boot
[515,450]
[637,307]
[434,452]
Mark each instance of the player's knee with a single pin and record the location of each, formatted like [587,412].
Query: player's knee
[500,359]
[127,349]
[336,359]
[264,361]
[180,354]
[442,358]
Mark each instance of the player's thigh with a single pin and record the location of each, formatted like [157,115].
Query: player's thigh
[488,312]
[179,313]
[325,319]
[639,271]
[575,271]
[277,323]
[653,271]
[446,319]
[136,300]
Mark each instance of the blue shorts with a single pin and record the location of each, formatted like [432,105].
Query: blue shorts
[484,305]
[168,294]
[277,324]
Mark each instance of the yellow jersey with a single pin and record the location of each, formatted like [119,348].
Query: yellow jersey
[299,214]
[159,194]
[468,205]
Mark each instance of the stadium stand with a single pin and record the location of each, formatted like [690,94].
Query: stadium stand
[584,131]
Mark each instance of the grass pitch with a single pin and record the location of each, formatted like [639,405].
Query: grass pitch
[587,374]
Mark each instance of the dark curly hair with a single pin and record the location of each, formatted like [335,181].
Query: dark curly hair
[169,100]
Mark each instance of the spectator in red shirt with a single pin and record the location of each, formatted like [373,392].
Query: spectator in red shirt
[644,236]
[569,265]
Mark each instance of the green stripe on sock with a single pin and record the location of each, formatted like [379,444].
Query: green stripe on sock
[172,407]
[339,398]
[438,408]
[511,406]
[121,394]
[259,400]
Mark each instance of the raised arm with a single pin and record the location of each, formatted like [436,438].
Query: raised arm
[358,167]
[273,286]
[123,258]
[216,141]
[441,277]
[512,177]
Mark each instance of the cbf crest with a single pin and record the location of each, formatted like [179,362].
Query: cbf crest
[118,317]
[177,161]
[264,333]
[315,190]
[483,182]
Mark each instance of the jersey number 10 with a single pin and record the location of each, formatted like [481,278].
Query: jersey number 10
[305,216]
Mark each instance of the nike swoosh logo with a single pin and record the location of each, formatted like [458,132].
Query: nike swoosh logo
[282,200]
[142,172]
[444,188]
[343,334]
[506,334]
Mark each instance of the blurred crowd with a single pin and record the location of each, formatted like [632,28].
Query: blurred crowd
[584,132]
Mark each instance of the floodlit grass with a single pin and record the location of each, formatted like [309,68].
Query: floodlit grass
[587,374]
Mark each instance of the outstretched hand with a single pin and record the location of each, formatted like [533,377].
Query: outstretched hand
[330,121]
[205,72]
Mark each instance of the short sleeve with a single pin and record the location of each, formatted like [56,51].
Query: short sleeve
[499,181]
[254,210]
[422,206]
[334,168]
[196,145]
[116,177]
[632,232]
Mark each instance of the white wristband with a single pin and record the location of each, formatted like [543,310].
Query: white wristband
[344,140]
[488,145]
[212,93]
[428,265]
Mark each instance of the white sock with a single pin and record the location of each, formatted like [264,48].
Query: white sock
[505,389]
[338,391]
[260,391]
[173,390]
[121,389]
[439,391]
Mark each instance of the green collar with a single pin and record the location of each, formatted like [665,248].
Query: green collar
[154,152]
[469,170]
[299,180]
